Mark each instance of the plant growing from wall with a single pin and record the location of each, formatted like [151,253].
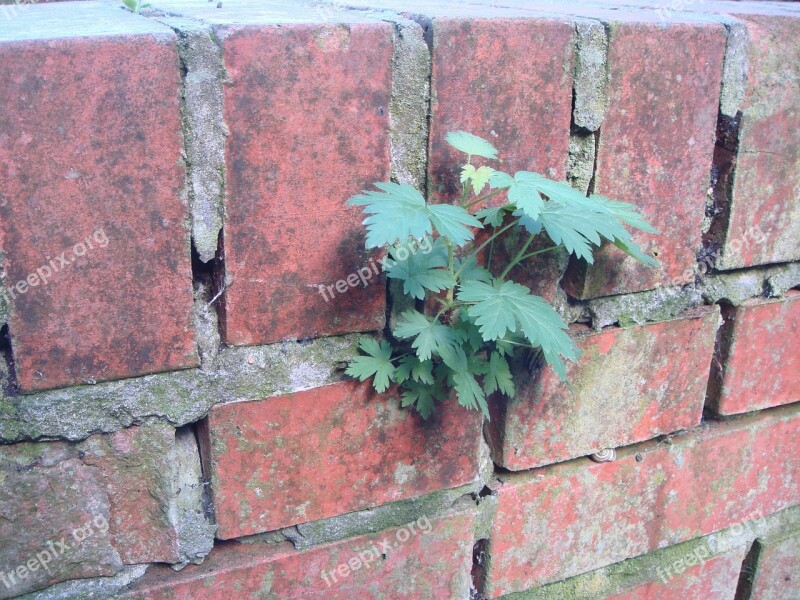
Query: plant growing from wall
[471,317]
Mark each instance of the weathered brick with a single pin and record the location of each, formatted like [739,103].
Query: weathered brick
[428,558]
[114,488]
[627,387]
[571,518]
[356,450]
[777,568]
[763,221]
[307,110]
[758,362]
[485,64]
[713,578]
[90,149]
[655,145]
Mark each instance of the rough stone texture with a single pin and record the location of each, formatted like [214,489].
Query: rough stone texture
[408,111]
[357,450]
[307,107]
[734,73]
[114,488]
[627,387]
[204,131]
[92,142]
[580,170]
[422,565]
[483,74]
[179,398]
[568,519]
[97,588]
[777,568]
[765,187]
[591,75]
[655,148]
[759,356]
[191,501]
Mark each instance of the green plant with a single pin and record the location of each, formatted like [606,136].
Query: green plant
[480,317]
[135,6]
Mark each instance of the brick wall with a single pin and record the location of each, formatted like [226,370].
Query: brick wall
[174,419]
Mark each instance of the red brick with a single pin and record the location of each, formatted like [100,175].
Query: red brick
[714,578]
[758,363]
[419,566]
[504,78]
[92,141]
[764,224]
[116,485]
[777,572]
[627,387]
[575,517]
[308,111]
[327,451]
[655,148]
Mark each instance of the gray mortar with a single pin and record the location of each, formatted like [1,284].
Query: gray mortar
[580,168]
[204,130]
[206,324]
[734,71]
[734,287]
[410,102]
[179,397]
[187,510]
[591,74]
[89,589]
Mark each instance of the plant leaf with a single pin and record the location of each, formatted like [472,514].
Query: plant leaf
[498,376]
[430,336]
[396,213]
[492,215]
[522,191]
[625,212]
[499,308]
[410,367]
[453,222]
[470,270]
[377,363]
[422,271]
[471,144]
[469,392]
[477,178]
[421,396]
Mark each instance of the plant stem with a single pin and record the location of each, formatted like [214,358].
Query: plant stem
[518,257]
[450,268]
[542,251]
[484,197]
[495,235]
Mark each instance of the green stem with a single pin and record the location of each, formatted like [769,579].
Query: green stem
[483,198]
[495,235]
[542,251]
[450,267]
[517,257]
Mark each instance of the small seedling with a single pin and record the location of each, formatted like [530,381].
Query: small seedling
[480,317]
[135,6]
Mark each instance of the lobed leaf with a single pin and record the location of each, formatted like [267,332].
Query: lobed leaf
[471,145]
